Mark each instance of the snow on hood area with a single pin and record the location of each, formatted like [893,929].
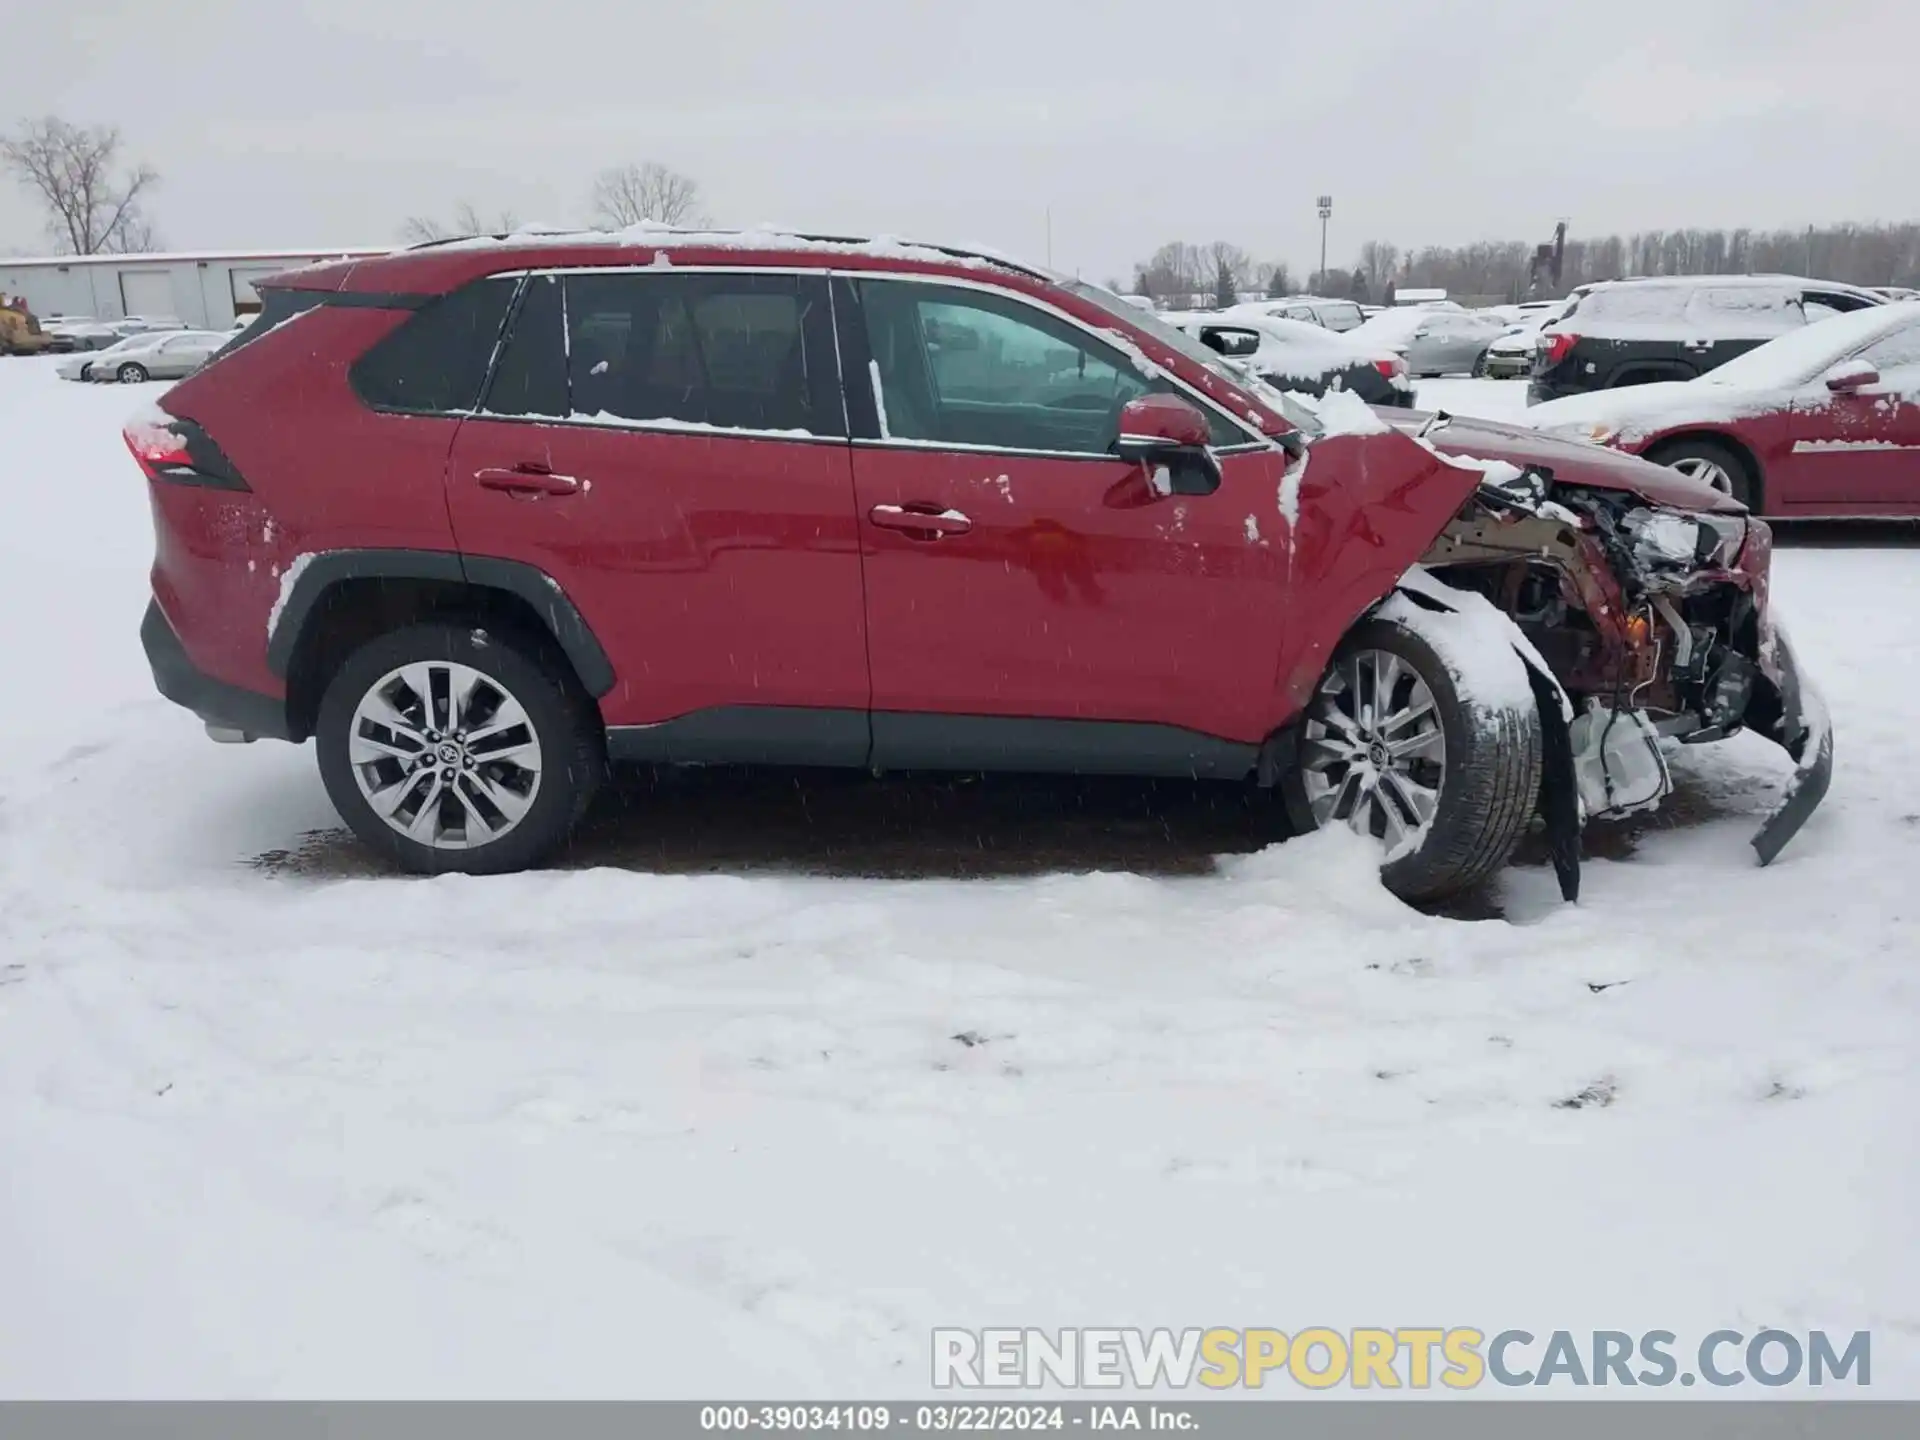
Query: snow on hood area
[765,1080]
[1637,411]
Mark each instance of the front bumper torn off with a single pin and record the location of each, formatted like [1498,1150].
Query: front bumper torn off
[1805,732]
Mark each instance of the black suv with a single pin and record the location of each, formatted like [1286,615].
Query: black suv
[1632,332]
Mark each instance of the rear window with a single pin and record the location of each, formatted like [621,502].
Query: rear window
[731,351]
[276,308]
[437,361]
[1635,304]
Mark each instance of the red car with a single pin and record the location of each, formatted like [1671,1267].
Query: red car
[1824,421]
[482,517]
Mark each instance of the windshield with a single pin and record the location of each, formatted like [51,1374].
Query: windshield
[1796,357]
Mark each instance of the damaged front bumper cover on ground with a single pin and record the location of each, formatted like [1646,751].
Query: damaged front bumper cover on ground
[1805,732]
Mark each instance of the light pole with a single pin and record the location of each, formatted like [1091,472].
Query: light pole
[1326,214]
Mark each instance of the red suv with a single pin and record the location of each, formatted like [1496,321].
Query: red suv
[483,516]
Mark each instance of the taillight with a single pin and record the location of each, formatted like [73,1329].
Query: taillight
[1560,344]
[1391,366]
[176,450]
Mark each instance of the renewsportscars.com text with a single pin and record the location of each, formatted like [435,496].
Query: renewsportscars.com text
[1456,1358]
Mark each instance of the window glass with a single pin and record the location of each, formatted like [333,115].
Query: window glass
[963,367]
[1890,352]
[1836,302]
[1753,308]
[437,360]
[729,351]
[531,378]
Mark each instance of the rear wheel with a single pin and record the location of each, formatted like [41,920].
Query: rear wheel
[1713,464]
[1397,748]
[452,748]
[131,374]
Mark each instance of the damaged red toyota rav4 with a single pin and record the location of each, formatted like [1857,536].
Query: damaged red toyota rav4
[484,517]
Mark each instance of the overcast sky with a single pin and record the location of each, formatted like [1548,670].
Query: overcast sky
[280,122]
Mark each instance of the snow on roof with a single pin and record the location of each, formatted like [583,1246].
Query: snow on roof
[759,238]
[1719,282]
[177,257]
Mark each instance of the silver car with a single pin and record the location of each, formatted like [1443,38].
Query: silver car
[1435,342]
[159,355]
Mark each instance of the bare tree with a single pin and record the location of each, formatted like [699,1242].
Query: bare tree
[467,220]
[1377,259]
[92,201]
[629,194]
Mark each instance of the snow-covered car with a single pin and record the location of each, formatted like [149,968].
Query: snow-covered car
[155,355]
[1822,421]
[1667,328]
[1434,341]
[1293,355]
[1328,314]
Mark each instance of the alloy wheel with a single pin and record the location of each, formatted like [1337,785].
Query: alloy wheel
[444,754]
[1698,467]
[1375,754]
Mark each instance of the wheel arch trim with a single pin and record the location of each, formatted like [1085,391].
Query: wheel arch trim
[541,593]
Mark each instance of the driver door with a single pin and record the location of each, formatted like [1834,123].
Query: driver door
[1031,603]
[1858,452]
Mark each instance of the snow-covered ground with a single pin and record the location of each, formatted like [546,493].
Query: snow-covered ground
[772,1080]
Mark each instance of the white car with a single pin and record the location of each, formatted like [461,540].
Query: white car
[1511,355]
[1291,355]
[1336,315]
[156,355]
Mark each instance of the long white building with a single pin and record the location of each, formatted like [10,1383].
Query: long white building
[206,289]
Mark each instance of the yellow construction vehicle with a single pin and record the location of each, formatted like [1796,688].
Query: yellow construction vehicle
[20,333]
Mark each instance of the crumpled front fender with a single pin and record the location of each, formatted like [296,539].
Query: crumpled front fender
[1800,725]
[1363,509]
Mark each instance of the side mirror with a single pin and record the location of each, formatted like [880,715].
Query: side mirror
[1851,375]
[1234,344]
[1167,436]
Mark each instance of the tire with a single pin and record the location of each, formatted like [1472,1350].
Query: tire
[516,802]
[131,373]
[1488,765]
[1479,370]
[1718,465]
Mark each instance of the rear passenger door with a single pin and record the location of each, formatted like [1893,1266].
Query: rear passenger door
[670,448]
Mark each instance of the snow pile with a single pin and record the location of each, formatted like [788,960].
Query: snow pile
[1341,412]
[1474,641]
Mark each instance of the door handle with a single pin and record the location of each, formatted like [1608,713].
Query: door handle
[920,521]
[526,479]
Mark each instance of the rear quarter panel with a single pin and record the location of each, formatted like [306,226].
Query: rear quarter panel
[324,472]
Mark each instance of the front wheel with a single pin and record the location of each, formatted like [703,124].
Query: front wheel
[131,374]
[448,747]
[1399,748]
[1713,464]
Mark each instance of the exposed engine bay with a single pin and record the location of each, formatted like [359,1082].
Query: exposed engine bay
[1655,626]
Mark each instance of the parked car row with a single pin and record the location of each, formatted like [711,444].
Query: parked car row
[482,519]
[1823,420]
[83,332]
[150,355]
[1636,332]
